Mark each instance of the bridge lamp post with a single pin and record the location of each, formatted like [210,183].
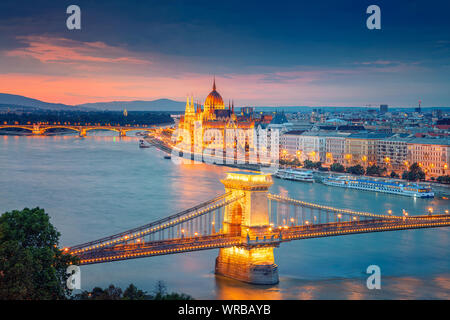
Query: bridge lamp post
[430,211]
[292,221]
[446,211]
[182,233]
[390,212]
[339,217]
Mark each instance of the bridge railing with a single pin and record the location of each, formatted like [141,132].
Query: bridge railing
[171,225]
[318,213]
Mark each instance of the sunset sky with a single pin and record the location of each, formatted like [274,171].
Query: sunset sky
[266,53]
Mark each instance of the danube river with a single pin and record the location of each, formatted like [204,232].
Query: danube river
[100,185]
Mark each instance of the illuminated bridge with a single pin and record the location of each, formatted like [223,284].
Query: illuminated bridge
[39,129]
[246,223]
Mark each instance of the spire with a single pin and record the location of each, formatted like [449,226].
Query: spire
[232,106]
[190,109]
[214,83]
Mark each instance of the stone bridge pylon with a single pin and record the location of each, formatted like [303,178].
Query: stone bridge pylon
[249,218]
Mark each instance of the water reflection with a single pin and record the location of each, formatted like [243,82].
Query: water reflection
[103,184]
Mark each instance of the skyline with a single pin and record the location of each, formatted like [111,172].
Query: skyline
[292,54]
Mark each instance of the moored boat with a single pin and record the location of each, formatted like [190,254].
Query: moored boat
[142,144]
[390,186]
[295,175]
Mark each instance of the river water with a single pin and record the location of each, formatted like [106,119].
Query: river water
[100,185]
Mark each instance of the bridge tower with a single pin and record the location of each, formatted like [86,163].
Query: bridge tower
[122,133]
[248,217]
[37,129]
[83,132]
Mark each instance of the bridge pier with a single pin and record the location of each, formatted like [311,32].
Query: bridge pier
[248,218]
[83,132]
[37,130]
[122,133]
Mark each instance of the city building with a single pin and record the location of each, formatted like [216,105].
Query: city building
[432,155]
[361,148]
[392,152]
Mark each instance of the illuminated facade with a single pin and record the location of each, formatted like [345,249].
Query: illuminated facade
[215,130]
[432,155]
[249,219]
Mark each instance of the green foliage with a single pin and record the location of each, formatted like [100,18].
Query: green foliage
[100,117]
[295,162]
[375,170]
[131,293]
[31,265]
[414,173]
[337,167]
[394,174]
[308,164]
[358,169]
[443,179]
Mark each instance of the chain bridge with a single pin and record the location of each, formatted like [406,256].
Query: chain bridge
[245,223]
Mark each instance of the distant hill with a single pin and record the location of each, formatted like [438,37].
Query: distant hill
[155,105]
[16,100]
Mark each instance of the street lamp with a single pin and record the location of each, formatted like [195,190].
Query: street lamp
[430,211]
[390,212]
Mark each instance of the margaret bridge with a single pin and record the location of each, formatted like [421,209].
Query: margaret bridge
[40,129]
[246,223]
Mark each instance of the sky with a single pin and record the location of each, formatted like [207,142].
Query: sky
[262,53]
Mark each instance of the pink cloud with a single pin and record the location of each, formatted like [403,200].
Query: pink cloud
[61,50]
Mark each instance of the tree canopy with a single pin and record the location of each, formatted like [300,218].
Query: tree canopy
[414,173]
[31,265]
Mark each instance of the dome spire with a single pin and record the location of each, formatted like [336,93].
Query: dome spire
[214,84]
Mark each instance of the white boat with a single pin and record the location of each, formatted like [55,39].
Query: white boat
[290,174]
[395,187]
[142,144]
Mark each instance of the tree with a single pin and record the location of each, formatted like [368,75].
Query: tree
[337,167]
[443,179]
[133,293]
[308,164]
[373,170]
[394,174]
[31,265]
[358,169]
[415,173]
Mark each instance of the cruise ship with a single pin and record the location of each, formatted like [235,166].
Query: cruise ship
[394,187]
[290,174]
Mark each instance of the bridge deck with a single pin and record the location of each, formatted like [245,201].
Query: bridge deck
[273,238]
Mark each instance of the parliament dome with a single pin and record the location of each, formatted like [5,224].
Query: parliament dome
[214,100]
